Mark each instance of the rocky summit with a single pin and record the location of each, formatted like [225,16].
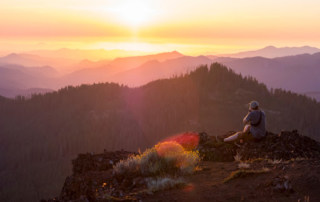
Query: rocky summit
[93,178]
[285,146]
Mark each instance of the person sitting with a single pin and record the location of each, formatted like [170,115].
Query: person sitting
[256,130]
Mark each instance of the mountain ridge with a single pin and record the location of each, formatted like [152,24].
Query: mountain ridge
[273,52]
[280,72]
[90,54]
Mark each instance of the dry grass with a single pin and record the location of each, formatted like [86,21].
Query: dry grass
[243,173]
[243,165]
[300,159]
[257,160]
[275,162]
[237,157]
[164,158]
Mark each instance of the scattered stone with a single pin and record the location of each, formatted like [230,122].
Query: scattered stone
[282,184]
[286,146]
[93,179]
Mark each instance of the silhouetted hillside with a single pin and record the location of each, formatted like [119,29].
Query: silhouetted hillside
[13,92]
[40,135]
[298,73]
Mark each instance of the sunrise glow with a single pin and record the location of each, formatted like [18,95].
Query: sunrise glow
[201,27]
[146,100]
[133,13]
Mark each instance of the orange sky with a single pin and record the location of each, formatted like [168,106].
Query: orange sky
[191,27]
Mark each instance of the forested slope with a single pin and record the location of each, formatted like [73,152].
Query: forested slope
[40,135]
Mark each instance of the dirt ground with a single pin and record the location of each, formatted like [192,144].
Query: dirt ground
[207,184]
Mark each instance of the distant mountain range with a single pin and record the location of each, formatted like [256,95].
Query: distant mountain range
[29,60]
[298,73]
[154,70]
[12,92]
[273,52]
[20,72]
[106,72]
[95,54]
[14,79]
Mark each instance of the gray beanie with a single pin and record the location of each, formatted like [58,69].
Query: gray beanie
[254,104]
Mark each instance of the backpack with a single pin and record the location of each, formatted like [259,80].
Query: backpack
[258,123]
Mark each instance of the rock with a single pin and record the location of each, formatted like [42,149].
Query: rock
[93,179]
[98,162]
[282,184]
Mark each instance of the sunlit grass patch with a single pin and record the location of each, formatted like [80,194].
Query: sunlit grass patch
[243,173]
[164,158]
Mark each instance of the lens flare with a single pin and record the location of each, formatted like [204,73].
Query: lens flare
[167,149]
[188,188]
[188,140]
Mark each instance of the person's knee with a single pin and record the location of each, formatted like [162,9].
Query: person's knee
[246,128]
[241,135]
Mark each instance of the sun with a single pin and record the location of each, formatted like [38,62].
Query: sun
[134,13]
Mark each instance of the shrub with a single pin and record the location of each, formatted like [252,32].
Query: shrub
[130,165]
[164,158]
[174,157]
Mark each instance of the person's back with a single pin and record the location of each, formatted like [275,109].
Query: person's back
[258,131]
[257,127]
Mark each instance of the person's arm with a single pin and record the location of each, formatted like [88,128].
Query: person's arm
[247,118]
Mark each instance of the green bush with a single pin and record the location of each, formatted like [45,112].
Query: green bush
[164,158]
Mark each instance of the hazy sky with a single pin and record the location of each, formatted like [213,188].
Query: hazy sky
[201,26]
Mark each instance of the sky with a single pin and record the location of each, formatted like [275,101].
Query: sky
[191,27]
